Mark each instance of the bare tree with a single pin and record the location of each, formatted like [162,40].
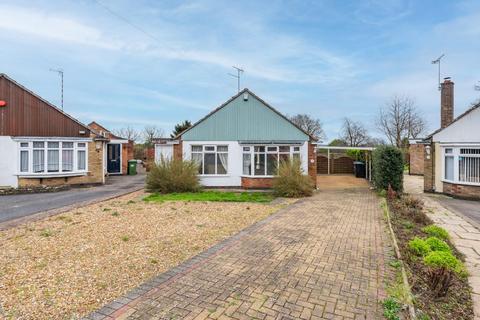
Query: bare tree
[399,120]
[150,133]
[128,132]
[310,125]
[354,133]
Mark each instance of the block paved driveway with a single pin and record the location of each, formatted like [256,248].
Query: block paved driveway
[325,257]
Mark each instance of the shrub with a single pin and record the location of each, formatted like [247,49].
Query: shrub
[173,175]
[291,182]
[419,247]
[436,231]
[442,266]
[436,244]
[388,168]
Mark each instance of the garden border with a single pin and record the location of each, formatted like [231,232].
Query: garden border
[411,308]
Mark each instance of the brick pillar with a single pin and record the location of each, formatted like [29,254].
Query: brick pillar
[429,168]
[446,103]
[312,162]
[178,150]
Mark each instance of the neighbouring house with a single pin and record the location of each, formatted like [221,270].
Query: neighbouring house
[42,145]
[118,150]
[452,153]
[240,144]
[416,151]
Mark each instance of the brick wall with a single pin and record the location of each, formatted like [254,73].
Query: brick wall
[312,163]
[178,150]
[256,183]
[127,154]
[417,161]
[461,191]
[94,175]
[429,169]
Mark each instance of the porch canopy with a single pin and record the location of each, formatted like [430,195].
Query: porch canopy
[368,157]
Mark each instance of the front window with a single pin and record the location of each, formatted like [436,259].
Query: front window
[469,165]
[43,157]
[462,165]
[211,160]
[266,159]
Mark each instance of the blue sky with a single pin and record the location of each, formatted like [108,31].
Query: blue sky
[329,59]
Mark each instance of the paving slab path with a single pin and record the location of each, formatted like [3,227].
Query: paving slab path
[459,218]
[325,257]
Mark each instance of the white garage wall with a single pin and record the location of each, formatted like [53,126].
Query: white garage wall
[8,162]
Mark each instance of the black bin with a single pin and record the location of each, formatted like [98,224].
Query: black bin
[359,169]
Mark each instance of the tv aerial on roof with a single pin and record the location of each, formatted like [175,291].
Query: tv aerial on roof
[439,61]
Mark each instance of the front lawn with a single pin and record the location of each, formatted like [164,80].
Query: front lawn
[69,265]
[218,196]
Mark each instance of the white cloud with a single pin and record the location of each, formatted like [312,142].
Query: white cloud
[39,23]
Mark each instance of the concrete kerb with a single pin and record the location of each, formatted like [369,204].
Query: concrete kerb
[411,308]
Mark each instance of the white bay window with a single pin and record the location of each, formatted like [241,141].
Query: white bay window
[265,160]
[461,165]
[39,158]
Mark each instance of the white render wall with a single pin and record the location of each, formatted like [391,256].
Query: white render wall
[233,178]
[465,130]
[9,162]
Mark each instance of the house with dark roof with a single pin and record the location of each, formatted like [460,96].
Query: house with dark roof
[240,144]
[42,145]
[452,153]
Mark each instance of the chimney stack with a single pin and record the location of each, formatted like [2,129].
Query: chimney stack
[446,103]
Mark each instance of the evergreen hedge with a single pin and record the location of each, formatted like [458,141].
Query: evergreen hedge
[388,168]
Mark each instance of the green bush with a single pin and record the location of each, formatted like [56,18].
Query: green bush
[442,259]
[419,247]
[436,231]
[442,266]
[291,181]
[436,244]
[388,168]
[173,175]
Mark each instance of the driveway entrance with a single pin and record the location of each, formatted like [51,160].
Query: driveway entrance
[340,182]
[324,257]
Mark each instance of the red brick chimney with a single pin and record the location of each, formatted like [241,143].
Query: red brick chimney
[446,103]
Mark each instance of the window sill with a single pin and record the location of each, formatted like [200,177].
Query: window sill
[52,174]
[462,183]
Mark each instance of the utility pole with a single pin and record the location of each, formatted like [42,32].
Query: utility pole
[239,72]
[438,61]
[60,72]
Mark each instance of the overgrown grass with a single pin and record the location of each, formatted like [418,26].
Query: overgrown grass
[217,196]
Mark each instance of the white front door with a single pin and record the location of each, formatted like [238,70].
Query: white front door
[163,150]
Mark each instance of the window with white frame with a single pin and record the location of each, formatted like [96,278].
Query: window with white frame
[52,157]
[462,165]
[211,159]
[264,160]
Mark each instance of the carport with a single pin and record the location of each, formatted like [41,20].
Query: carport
[368,157]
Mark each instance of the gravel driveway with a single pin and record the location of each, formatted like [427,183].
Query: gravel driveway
[23,205]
